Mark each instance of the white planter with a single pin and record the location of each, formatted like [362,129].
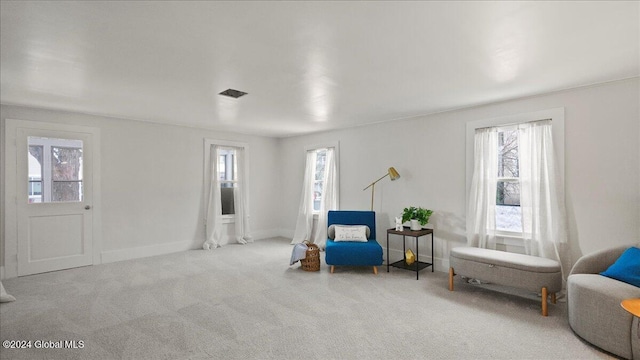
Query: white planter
[415,225]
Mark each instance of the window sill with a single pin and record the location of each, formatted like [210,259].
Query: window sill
[509,235]
[510,242]
[228,219]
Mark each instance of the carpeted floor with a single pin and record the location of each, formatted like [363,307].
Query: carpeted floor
[245,302]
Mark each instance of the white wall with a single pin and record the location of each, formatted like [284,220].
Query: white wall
[602,164]
[152,174]
[152,181]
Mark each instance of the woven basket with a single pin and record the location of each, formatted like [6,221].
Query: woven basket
[312,260]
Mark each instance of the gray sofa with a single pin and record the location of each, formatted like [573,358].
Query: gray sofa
[594,307]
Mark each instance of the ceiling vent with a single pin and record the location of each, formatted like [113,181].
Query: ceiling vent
[233,93]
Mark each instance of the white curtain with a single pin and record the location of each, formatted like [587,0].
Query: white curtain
[304,224]
[541,192]
[240,200]
[4,297]
[481,212]
[213,213]
[329,198]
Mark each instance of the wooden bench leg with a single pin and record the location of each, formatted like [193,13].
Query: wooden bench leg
[553,298]
[375,270]
[451,274]
[332,268]
[544,301]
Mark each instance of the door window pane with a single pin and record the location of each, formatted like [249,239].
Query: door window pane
[55,170]
[66,191]
[66,172]
[35,174]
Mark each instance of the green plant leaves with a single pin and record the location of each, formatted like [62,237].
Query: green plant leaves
[416,213]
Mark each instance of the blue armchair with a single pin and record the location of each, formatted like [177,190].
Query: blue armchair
[353,253]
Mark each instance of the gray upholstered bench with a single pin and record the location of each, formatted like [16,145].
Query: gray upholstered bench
[499,267]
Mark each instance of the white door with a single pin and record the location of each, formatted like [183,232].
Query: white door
[54,188]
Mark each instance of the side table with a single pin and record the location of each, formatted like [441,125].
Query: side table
[633,307]
[417,265]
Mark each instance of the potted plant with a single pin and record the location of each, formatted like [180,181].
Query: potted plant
[417,216]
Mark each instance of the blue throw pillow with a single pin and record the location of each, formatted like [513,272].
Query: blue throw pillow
[626,268]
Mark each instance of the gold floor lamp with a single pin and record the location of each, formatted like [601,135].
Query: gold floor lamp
[392,174]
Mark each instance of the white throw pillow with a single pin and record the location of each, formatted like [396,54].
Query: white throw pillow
[331,231]
[351,233]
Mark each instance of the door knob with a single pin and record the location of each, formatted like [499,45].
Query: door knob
[87,207]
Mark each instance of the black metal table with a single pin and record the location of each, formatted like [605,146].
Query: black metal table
[417,265]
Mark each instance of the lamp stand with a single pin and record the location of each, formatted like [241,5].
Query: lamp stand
[373,190]
[373,186]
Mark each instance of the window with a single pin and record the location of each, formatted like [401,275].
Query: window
[319,195]
[508,228]
[508,212]
[229,160]
[318,182]
[228,175]
[55,170]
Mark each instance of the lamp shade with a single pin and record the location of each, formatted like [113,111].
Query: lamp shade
[393,173]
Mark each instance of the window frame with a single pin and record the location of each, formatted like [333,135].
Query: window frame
[230,218]
[336,148]
[508,239]
[234,163]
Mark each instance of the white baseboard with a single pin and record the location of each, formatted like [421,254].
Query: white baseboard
[110,256]
[266,234]
[145,251]
[287,233]
[162,249]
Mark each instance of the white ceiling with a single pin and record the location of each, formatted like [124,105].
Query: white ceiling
[307,66]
